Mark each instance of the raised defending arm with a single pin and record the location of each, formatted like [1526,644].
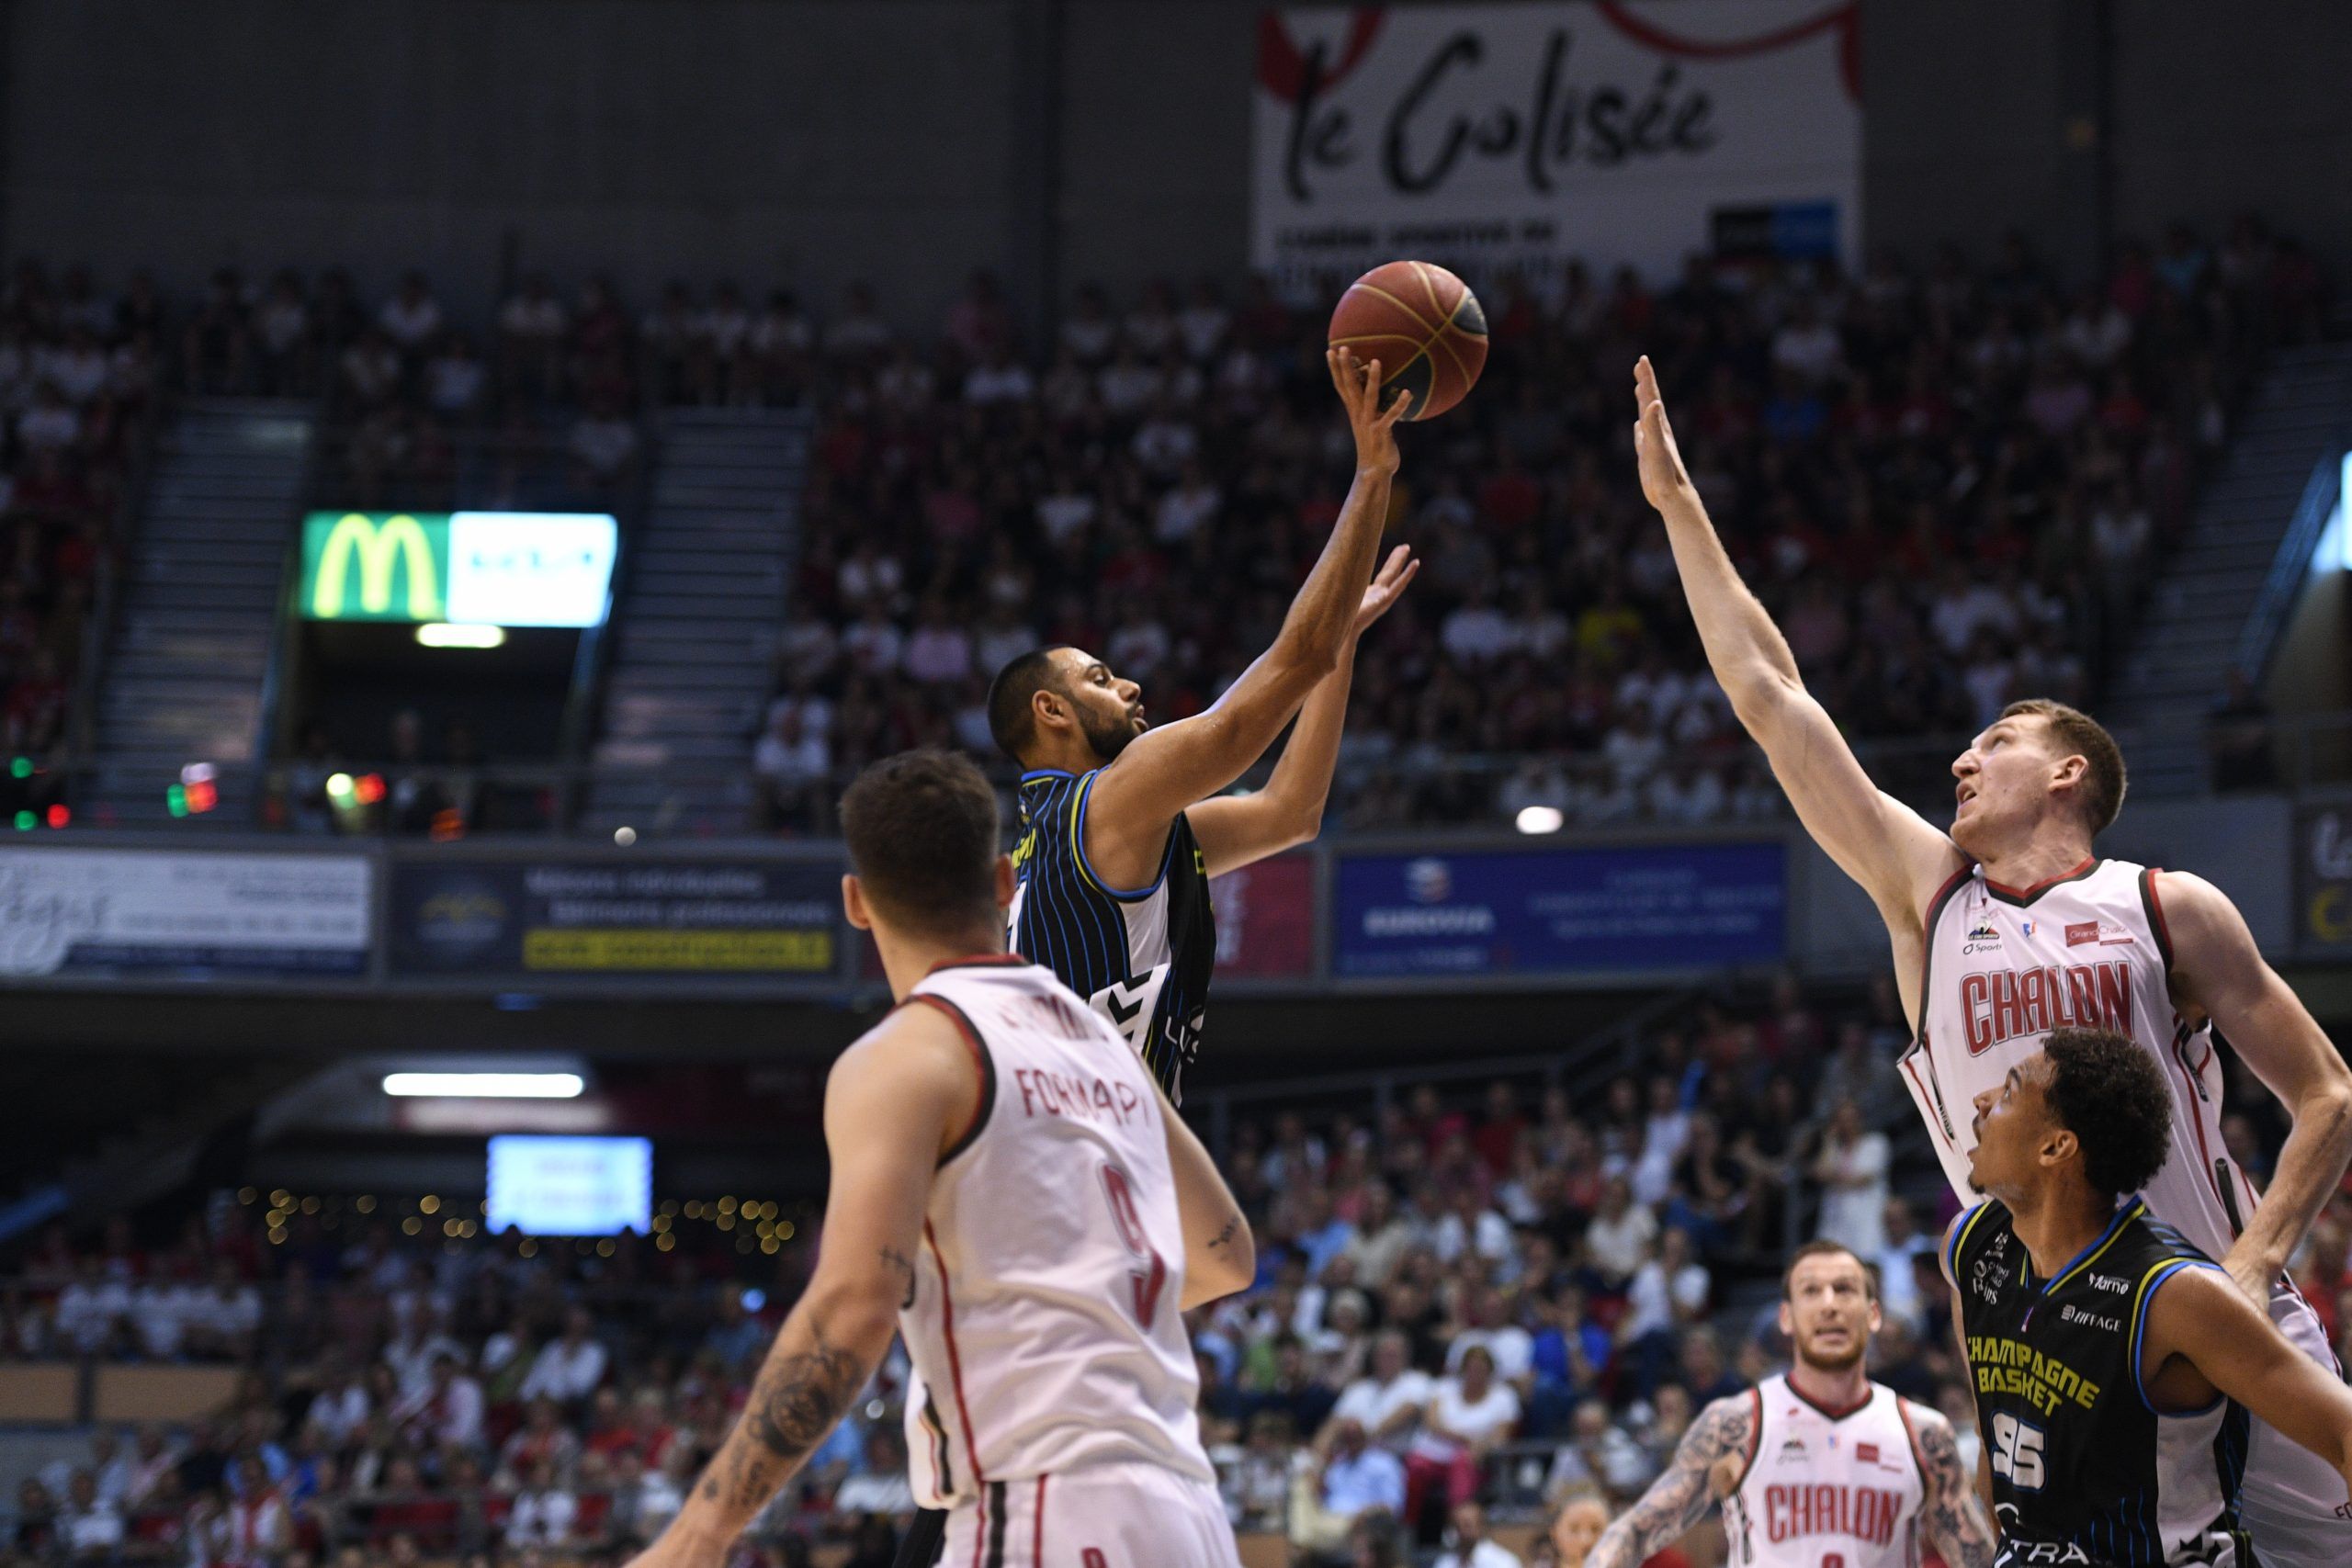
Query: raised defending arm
[1898,856]
[1706,1466]
[1951,1513]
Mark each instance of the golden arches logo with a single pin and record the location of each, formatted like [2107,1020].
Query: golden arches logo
[379,548]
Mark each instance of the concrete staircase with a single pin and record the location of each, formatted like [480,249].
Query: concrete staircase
[2215,607]
[698,617]
[190,656]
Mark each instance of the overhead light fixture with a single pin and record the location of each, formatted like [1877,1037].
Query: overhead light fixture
[485,1086]
[1540,819]
[442,634]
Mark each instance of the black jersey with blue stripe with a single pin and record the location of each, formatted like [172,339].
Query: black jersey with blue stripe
[2085,1469]
[1140,957]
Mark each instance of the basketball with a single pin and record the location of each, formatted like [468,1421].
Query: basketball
[1424,326]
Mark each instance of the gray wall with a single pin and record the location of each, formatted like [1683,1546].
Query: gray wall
[816,141]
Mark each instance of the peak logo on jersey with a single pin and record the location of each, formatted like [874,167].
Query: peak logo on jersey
[2002,1004]
[1983,931]
[1791,1451]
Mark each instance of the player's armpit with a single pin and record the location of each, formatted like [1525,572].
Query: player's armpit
[2217,968]
[1951,1512]
[1693,1483]
[2196,1315]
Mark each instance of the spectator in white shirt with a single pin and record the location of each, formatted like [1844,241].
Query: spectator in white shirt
[411,316]
[1851,1170]
[1634,749]
[602,446]
[940,651]
[455,378]
[447,1413]
[1621,1232]
[1467,1545]
[858,332]
[340,1409]
[879,1486]
[1387,1400]
[1807,345]
[542,1512]
[1466,1418]
[88,1527]
[1186,509]
[90,1308]
[871,643]
[1511,1347]
[569,1368]
[1002,380]
[1474,632]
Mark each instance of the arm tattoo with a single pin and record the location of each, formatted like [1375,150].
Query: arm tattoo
[1681,1495]
[794,1402]
[1224,1236]
[1951,1516]
[901,1264]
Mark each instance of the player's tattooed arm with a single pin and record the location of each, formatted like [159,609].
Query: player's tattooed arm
[1952,1514]
[801,1391]
[1702,1470]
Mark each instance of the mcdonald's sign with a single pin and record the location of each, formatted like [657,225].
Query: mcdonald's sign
[374,566]
[492,569]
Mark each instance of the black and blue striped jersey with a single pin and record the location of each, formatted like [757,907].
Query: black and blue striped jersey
[1140,957]
[2085,1468]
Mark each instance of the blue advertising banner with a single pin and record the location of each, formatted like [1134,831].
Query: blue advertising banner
[1504,912]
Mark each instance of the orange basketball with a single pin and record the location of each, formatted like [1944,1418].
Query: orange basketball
[1424,326]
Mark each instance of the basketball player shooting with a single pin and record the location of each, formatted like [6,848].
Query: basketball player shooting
[1119,834]
[2009,927]
[1819,1465]
[2114,1364]
[1011,1192]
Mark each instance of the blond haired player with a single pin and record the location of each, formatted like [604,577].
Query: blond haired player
[1011,1192]
[1818,1464]
[2009,927]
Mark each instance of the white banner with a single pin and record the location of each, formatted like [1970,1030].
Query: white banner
[1617,131]
[66,911]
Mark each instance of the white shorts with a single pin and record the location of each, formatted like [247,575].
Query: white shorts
[2292,1501]
[1108,1516]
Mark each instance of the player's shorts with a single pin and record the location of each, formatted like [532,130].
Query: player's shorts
[1108,1516]
[2292,1501]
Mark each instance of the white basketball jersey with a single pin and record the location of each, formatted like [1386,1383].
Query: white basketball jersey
[1827,1487]
[2005,966]
[1044,1325]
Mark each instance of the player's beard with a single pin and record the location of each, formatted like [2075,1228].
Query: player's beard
[1108,737]
[1857,1346]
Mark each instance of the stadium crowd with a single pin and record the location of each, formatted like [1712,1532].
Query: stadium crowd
[1487,1300]
[1951,483]
[78,375]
